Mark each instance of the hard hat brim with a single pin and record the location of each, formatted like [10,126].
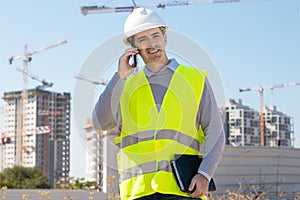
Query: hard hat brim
[137,30]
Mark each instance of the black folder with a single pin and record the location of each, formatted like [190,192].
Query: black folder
[185,167]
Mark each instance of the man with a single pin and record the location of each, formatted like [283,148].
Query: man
[165,109]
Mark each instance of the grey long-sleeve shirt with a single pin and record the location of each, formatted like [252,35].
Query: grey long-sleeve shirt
[107,114]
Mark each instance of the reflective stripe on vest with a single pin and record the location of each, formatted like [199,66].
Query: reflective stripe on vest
[150,138]
[160,134]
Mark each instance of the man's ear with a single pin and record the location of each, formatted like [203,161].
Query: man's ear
[165,37]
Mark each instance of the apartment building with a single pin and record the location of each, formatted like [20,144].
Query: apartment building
[101,158]
[279,127]
[36,132]
[242,125]
[94,155]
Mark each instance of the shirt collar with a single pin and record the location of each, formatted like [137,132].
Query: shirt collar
[172,65]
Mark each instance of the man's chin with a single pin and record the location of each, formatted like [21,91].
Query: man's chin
[155,65]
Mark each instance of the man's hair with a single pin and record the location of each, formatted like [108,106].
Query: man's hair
[131,38]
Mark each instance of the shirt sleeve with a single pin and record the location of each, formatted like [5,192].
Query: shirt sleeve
[210,120]
[106,114]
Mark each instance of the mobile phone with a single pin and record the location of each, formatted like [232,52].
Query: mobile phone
[133,61]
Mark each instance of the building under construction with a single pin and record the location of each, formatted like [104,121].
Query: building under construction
[36,133]
[101,161]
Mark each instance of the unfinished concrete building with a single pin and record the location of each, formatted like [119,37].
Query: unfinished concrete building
[36,132]
[101,161]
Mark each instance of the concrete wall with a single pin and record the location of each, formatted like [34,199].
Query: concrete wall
[17,194]
[271,169]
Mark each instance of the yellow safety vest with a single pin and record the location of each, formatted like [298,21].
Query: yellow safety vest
[150,138]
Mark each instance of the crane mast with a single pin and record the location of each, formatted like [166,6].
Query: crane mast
[262,118]
[261,89]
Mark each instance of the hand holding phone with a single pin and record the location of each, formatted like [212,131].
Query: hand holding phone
[127,62]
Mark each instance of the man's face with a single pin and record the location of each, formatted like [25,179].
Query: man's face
[151,44]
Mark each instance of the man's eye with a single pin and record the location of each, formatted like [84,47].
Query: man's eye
[157,35]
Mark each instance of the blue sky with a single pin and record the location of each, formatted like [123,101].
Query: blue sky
[251,44]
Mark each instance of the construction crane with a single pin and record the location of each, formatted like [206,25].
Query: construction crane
[85,10]
[102,82]
[261,89]
[26,58]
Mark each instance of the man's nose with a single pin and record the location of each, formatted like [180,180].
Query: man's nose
[152,43]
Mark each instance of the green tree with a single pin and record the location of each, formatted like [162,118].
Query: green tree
[20,177]
[91,185]
[78,183]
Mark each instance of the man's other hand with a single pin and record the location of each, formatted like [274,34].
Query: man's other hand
[199,186]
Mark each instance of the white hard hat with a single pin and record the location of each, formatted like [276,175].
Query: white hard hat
[139,20]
